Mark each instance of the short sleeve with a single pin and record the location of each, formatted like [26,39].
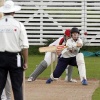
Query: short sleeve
[23,37]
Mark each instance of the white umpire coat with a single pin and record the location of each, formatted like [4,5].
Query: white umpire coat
[13,37]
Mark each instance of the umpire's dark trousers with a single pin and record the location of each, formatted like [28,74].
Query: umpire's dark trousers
[62,64]
[8,62]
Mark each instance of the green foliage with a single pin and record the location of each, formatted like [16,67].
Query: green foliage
[91,48]
[34,50]
[49,41]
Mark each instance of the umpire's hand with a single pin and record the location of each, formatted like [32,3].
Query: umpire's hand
[25,66]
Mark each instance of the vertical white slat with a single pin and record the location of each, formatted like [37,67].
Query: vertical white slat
[41,24]
[50,18]
[83,17]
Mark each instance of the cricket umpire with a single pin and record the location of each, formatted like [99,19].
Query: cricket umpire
[13,49]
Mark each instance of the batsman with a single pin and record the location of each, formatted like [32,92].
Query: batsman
[71,56]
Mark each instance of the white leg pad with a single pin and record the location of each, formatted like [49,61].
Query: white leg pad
[47,58]
[81,66]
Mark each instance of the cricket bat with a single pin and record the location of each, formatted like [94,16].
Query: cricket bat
[51,48]
[48,49]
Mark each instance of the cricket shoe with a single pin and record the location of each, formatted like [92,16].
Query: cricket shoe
[49,81]
[30,79]
[84,82]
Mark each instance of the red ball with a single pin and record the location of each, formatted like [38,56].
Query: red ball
[85,33]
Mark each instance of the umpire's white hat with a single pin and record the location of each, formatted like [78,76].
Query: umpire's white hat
[9,7]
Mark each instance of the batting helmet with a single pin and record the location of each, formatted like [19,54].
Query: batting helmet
[67,32]
[74,29]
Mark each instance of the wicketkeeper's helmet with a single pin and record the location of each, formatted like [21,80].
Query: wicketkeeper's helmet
[67,32]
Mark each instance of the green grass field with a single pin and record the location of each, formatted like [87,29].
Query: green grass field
[92,68]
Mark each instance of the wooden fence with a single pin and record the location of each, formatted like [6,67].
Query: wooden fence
[48,19]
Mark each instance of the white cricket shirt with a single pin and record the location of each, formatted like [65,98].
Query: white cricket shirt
[13,37]
[67,53]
